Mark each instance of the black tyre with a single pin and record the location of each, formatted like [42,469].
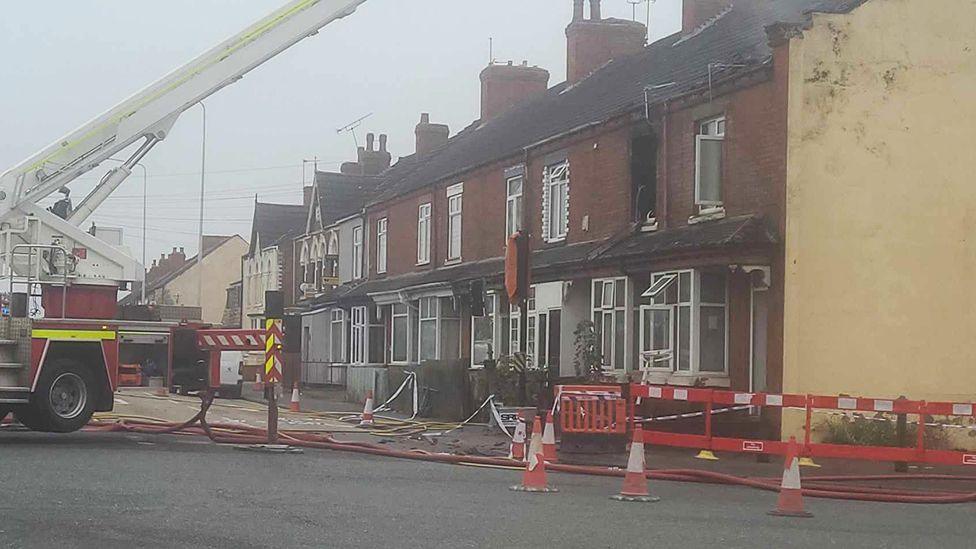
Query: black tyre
[65,398]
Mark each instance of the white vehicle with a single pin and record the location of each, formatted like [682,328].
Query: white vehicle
[231,374]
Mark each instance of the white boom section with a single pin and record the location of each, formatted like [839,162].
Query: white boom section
[148,115]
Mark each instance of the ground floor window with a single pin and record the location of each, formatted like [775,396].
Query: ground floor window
[337,336]
[483,344]
[428,328]
[438,328]
[400,332]
[376,336]
[684,321]
[610,320]
[358,327]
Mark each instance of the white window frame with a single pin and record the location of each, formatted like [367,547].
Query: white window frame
[357,252]
[491,310]
[670,363]
[423,233]
[513,205]
[610,360]
[394,315]
[555,187]
[337,321]
[359,324]
[455,201]
[712,129]
[435,318]
[382,226]
[515,327]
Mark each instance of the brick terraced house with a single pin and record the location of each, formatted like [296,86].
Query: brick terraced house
[653,184]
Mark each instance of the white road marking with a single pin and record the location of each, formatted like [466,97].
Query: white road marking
[120,401]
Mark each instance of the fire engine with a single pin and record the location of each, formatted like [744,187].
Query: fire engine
[60,341]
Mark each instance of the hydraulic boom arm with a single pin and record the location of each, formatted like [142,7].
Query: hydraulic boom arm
[148,115]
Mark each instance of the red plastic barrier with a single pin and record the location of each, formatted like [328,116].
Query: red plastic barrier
[712,398]
[586,409]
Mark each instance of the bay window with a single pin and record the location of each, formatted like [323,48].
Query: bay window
[483,345]
[684,322]
[400,327]
[610,320]
[427,320]
[337,336]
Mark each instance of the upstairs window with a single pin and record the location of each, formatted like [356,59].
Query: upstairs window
[423,234]
[357,253]
[555,202]
[454,203]
[708,163]
[513,205]
[381,245]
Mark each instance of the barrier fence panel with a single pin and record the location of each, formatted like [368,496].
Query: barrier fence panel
[592,409]
[718,401]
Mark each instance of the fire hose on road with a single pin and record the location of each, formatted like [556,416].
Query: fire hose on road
[832,487]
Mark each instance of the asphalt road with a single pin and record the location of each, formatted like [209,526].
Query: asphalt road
[116,490]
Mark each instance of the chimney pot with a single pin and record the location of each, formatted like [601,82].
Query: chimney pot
[577,10]
[174,249]
[425,118]
[383,139]
[595,11]
[370,138]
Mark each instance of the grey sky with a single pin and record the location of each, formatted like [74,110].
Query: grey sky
[62,62]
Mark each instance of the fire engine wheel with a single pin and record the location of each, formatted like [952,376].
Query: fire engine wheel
[64,401]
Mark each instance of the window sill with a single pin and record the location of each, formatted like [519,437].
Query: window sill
[423,264]
[450,262]
[649,226]
[708,214]
[700,379]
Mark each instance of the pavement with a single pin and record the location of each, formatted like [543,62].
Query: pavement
[125,490]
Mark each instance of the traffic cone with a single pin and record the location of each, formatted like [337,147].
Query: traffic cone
[534,478]
[367,411]
[517,449]
[635,481]
[296,400]
[790,503]
[549,440]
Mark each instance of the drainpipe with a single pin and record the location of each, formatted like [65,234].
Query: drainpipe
[663,207]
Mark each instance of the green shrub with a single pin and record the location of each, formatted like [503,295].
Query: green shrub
[879,430]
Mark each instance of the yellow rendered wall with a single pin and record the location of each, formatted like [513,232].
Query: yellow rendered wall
[881,203]
[221,268]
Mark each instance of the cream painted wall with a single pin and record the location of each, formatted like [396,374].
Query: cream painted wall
[221,267]
[881,203]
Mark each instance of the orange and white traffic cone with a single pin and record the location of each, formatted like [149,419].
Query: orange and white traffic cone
[517,449]
[296,400]
[367,411]
[549,440]
[635,481]
[790,503]
[534,478]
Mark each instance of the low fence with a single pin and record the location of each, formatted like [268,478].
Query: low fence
[324,373]
[583,419]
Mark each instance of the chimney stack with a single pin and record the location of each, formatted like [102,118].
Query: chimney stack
[695,13]
[591,43]
[504,86]
[430,137]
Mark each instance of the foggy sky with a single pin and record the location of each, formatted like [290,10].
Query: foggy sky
[62,62]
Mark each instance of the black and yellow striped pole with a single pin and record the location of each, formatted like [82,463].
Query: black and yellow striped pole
[274,311]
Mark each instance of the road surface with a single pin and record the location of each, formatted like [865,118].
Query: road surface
[124,490]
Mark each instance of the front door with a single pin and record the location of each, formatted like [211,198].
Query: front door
[759,314]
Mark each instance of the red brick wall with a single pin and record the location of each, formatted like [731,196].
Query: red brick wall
[600,187]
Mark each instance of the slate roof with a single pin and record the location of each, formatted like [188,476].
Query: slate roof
[273,223]
[341,195]
[741,231]
[678,64]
